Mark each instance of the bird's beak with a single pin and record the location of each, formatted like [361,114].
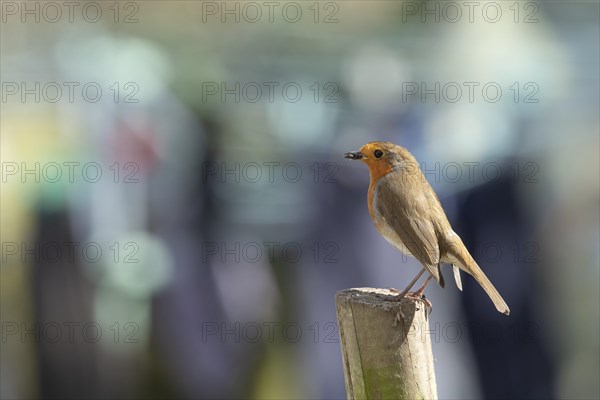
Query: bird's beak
[354,155]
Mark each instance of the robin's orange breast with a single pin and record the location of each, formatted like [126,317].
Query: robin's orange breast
[376,172]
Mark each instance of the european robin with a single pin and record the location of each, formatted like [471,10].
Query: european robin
[407,212]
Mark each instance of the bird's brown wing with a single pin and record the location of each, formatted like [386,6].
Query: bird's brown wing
[409,218]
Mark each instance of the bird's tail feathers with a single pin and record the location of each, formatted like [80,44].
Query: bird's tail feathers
[463,260]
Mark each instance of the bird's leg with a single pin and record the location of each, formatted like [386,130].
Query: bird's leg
[410,285]
[419,292]
[418,295]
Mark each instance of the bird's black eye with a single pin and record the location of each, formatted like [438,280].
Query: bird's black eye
[378,153]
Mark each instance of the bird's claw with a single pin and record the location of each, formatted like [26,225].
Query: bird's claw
[416,296]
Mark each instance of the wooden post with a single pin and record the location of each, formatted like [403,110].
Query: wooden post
[386,347]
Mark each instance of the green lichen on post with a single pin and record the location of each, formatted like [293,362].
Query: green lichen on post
[382,383]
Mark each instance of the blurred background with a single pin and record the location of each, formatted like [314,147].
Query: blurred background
[177,214]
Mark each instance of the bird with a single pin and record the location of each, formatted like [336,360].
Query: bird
[408,214]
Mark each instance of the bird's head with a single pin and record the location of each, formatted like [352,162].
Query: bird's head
[382,157]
